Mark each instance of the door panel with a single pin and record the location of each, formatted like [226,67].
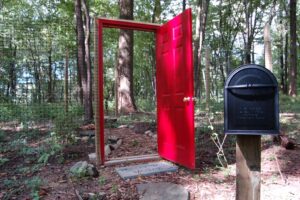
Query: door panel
[175,118]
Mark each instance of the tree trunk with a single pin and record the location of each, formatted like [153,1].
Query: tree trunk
[50,82]
[89,92]
[202,11]
[155,19]
[267,49]
[281,49]
[12,86]
[183,5]
[207,78]
[83,66]
[126,103]
[66,85]
[293,48]
[286,61]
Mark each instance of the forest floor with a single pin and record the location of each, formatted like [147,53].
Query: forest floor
[28,171]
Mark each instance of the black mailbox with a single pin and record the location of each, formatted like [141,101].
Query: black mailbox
[251,102]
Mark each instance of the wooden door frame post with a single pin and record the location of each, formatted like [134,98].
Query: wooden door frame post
[248,167]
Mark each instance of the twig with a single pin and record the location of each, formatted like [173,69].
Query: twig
[279,170]
[78,195]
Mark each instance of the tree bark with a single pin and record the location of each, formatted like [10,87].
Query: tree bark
[83,59]
[207,78]
[202,11]
[12,86]
[89,92]
[66,85]
[126,102]
[50,82]
[267,49]
[293,48]
[286,61]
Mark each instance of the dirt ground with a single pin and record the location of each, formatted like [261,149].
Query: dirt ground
[280,173]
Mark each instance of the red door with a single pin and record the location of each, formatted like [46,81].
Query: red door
[175,90]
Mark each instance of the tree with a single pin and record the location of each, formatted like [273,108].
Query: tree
[125,97]
[293,48]
[267,49]
[267,40]
[202,11]
[207,78]
[83,57]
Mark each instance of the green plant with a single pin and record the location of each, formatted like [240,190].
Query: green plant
[3,161]
[65,126]
[52,148]
[114,188]
[101,180]
[10,183]
[2,136]
[34,185]
[134,143]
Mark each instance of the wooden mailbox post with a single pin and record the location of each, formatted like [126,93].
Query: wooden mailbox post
[251,110]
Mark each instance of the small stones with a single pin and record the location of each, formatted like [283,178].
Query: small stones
[151,134]
[96,196]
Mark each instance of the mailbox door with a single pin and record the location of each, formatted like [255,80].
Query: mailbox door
[175,117]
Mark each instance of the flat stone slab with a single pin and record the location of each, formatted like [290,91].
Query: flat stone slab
[146,169]
[162,191]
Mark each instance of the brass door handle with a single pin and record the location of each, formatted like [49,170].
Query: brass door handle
[186,99]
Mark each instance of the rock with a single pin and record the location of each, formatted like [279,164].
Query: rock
[85,138]
[107,150]
[148,132]
[96,196]
[162,191]
[92,171]
[92,157]
[89,133]
[101,196]
[123,126]
[131,126]
[154,136]
[92,196]
[83,169]
[112,139]
[117,145]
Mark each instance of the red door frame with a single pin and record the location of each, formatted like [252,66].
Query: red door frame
[101,23]
[112,23]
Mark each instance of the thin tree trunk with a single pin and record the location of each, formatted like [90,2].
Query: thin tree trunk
[286,61]
[66,86]
[50,82]
[126,102]
[281,49]
[155,19]
[207,77]
[183,5]
[267,49]
[202,11]
[12,86]
[293,48]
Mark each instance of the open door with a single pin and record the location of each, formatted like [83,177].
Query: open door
[175,91]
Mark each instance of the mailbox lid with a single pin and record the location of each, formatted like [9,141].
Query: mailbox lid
[251,101]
